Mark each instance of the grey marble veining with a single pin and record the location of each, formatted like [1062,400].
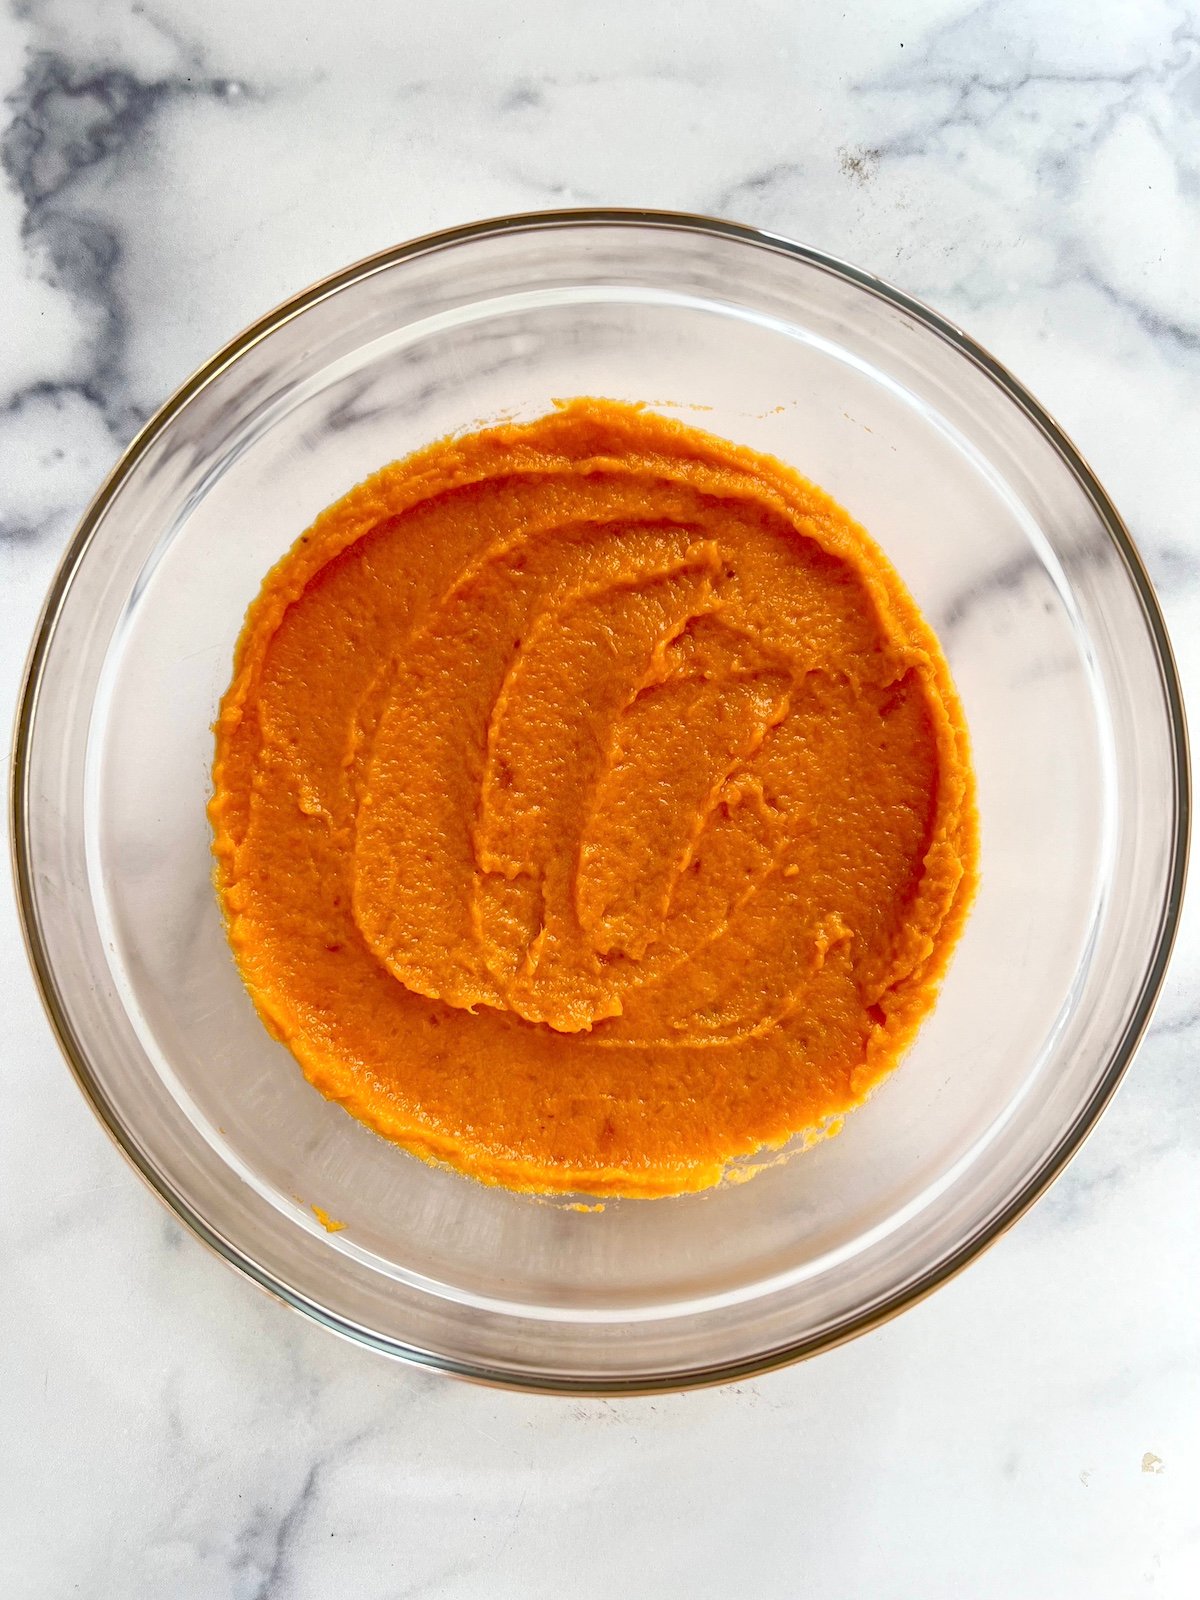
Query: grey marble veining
[1032,1432]
[67,123]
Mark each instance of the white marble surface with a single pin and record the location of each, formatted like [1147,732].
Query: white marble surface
[1030,1433]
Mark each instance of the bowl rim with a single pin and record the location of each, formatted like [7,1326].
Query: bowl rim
[1121,1053]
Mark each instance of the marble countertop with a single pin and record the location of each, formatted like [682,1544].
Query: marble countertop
[1032,1432]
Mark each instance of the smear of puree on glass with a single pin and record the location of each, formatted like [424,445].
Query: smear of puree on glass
[592,805]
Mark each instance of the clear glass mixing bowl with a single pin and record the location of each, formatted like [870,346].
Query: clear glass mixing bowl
[1014,554]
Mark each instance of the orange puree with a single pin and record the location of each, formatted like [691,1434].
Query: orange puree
[592,804]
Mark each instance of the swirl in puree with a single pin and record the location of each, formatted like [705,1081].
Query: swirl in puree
[592,805]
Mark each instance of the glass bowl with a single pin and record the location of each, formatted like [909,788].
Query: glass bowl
[1012,551]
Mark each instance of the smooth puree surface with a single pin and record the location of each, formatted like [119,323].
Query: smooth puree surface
[592,805]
